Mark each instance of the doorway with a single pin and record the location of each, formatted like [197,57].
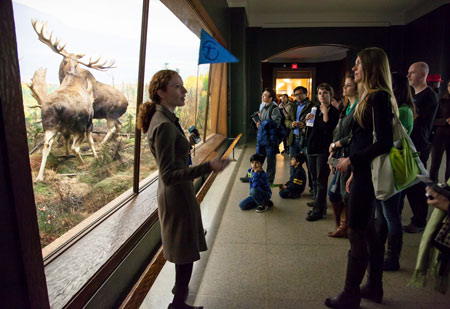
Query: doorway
[286,80]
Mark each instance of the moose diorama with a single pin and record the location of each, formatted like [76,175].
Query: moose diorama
[80,98]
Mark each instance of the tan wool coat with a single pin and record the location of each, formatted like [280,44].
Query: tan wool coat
[179,212]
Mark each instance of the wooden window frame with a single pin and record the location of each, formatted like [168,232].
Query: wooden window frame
[138,202]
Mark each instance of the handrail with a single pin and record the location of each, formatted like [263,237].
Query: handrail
[140,290]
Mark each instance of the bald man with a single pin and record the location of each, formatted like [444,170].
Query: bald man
[426,102]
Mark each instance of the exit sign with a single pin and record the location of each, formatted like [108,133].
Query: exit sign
[294,66]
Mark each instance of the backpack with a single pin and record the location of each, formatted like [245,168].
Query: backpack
[281,130]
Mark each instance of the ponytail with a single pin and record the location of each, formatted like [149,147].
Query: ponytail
[146,112]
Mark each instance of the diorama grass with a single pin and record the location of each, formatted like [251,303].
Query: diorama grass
[72,191]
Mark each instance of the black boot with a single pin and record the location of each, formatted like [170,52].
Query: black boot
[350,297]
[373,289]
[391,261]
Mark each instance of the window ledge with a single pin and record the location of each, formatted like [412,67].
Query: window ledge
[80,269]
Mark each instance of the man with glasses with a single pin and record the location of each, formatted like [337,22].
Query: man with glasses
[295,120]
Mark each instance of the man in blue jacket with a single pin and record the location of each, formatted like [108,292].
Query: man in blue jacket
[267,141]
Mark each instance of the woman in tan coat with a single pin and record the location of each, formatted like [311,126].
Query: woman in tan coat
[179,212]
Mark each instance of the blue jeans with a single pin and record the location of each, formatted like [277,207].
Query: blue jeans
[336,195]
[257,197]
[389,224]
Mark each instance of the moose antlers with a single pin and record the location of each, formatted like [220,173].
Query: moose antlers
[41,30]
[55,46]
[103,66]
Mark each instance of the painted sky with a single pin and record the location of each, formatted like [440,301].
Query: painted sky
[110,29]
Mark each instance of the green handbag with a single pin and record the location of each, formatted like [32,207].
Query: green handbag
[396,170]
[403,164]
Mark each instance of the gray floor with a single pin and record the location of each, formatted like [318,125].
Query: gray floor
[277,259]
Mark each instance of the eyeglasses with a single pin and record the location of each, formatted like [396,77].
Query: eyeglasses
[298,94]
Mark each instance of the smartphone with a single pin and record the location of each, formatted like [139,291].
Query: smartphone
[333,161]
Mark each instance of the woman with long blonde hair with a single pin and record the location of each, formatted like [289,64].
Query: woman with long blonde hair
[374,112]
[182,230]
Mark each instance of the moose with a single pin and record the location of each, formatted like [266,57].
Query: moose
[109,103]
[67,110]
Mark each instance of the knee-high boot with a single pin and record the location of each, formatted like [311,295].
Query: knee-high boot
[373,289]
[341,222]
[336,208]
[350,297]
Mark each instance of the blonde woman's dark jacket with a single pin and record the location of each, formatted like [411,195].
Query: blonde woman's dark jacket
[179,212]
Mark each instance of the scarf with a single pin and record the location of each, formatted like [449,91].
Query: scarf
[430,258]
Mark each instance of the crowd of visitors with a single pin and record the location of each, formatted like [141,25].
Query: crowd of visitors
[342,135]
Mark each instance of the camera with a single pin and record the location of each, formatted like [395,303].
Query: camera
[440,188]
[255,117]
[195,135]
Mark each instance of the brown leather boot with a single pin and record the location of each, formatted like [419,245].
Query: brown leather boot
[336,207]
[341,231]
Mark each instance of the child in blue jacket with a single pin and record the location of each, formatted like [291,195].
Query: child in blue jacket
[296,184]
[260,191]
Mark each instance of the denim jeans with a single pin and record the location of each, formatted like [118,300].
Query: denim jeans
[257,197]
[336,195]
[317,164]
[389,224]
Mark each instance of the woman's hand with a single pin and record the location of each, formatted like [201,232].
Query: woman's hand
[343,164]
[309,116]
[324,109]
[438,201]
[349,183]
[217,164]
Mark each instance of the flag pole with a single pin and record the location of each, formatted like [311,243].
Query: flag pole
[196,106]
[220,94]
[196,97]
[207,102]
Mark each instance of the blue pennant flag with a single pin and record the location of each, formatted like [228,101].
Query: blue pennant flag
[212,52]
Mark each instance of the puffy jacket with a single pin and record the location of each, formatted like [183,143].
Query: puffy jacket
[266,140]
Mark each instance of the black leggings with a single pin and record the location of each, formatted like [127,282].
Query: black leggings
[183,274]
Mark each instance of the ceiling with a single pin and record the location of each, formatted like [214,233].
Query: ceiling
[334,13]
[311,54]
